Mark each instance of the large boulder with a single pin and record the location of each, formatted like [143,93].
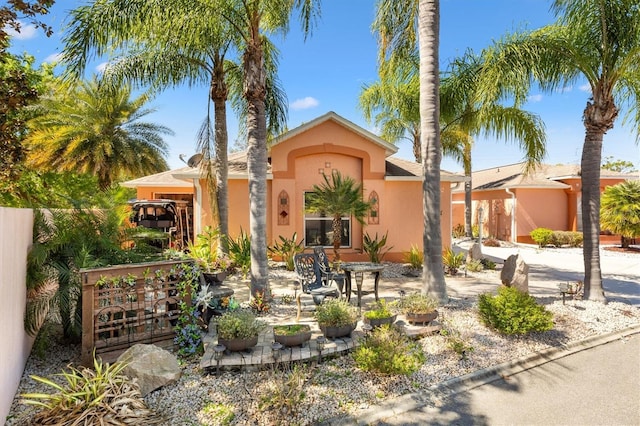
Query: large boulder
[152,366]
[515,273]
[475,252]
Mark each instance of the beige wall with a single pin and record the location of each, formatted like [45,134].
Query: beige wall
[16,227]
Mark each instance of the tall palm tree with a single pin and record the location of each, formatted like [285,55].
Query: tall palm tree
[253,20]
[464,114]
[197,54]
[92,128]
[596,40]
[336,198]
[396,24]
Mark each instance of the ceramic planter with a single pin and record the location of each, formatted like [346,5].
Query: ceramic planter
[332,331]
[214,278]
[421,318]
[238,344]
[297,339]
[377,322]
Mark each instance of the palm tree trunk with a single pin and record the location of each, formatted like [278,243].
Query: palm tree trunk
[429,28]
[337,237]
[254,93]
[590,173]
[219,95]
[468,185]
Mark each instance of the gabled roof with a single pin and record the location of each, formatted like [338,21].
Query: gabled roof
[167,178]
[389,148]
[545,176]
[400,169]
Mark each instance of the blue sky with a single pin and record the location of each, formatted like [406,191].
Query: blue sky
[328,71]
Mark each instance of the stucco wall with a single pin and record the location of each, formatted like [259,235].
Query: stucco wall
[541,208]
[16,227]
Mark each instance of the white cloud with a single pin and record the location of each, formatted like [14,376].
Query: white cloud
[565,89]
[304,103]
[535,98]
[27,31]
[101,67]
[585,88]
[54,57]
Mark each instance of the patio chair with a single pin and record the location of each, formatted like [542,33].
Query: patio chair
[328,276]
[310,279]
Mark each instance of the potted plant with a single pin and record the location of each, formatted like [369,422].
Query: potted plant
[238,330]
[291,334]
[380,314]
[418,308]
[336,318]
[204,251]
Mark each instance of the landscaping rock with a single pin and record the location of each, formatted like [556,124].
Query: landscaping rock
[152,366]
[515,273]
[475,252]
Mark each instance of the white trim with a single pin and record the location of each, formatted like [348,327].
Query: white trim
[197,208]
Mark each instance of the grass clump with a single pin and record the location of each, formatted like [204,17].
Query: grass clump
[414,257]
[336,313]
[513,312]
[387,350]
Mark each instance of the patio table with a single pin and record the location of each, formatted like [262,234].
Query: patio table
[358,269]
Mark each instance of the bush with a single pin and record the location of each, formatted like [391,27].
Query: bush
[474,265]
[375,247]
[239,324]
[287,248]
[336,313]
[488,264]
[513,312]
[567,238]
[414,257]
[388,351]
[542,236]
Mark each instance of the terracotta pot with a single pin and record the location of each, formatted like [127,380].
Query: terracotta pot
[331,331]
[236,345]
[422,318]
[298,339]
[377,322]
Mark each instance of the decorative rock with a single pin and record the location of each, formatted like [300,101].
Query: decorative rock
[475,252]
[515,273]
[152,366]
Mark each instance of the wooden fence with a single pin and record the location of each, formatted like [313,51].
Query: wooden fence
[127,304]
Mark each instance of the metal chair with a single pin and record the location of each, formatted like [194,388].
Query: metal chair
[310,279]
[328,276]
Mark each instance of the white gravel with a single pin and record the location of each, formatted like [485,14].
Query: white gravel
[337,386]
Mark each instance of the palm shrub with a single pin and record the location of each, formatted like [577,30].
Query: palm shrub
[620,210]
[240,252]
[513,312]
[102,395]
[388,351]
[414,257]
[287,248]
[376,247]
[452,261]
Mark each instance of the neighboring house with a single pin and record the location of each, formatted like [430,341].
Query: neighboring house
[549,197]
[297,160]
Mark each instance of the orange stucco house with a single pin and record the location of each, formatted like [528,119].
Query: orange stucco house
[297,160]
[514,203]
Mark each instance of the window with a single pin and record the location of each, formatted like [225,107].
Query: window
[318,229]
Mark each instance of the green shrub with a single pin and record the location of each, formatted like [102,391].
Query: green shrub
[102,395]
[542,236]
[375,247]
[240,324]
[414,257]
[456,342]
[567,238]
[474,265]
[287,248]
[488,264]
[513,312]
[380,310]
[240,252]
[336,312]
[452,261]
[388,351]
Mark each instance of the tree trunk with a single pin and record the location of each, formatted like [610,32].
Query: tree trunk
[219,95]
[429,28]
[254,93]
[337,236]
[468,226]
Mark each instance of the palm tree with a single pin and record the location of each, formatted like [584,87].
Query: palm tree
[252,20]
[97,130]
[465,115]
[620,210]
[338,197]
[596,40]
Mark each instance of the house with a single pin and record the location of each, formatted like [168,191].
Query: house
[548,197]
[298,159]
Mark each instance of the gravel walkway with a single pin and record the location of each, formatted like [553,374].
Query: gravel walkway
[336,386]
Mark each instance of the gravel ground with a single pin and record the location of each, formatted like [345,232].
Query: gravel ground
[337,386]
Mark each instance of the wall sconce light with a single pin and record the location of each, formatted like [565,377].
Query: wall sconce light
[218,353]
